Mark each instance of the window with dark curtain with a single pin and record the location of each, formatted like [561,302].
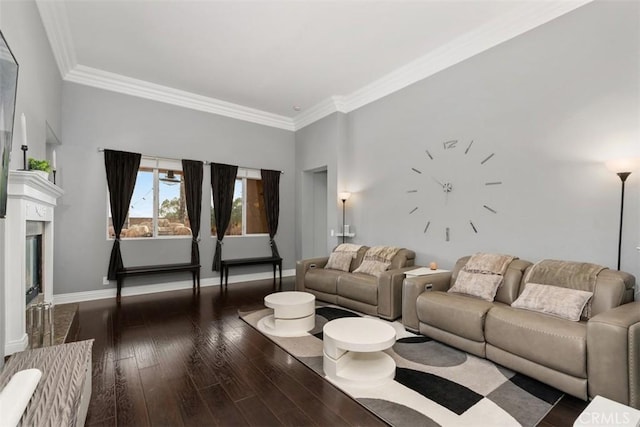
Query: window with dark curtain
[223,179]
[271,189]
[122,170]
[193,172]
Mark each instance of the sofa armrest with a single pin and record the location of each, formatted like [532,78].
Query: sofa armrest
[303,266]
[390,293]
[613,354]
[412,287]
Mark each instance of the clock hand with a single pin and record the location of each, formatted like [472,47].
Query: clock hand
[439,183]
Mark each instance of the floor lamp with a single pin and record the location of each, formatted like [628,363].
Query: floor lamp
[621,168]
[344,196]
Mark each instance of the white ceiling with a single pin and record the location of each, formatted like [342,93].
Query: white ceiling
[256,60]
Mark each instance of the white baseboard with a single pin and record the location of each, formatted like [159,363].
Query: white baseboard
[160,287]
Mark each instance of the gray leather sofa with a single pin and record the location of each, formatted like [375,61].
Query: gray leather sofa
[599,356]
[377,296]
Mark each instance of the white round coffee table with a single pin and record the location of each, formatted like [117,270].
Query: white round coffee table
[294,313]
[353,351]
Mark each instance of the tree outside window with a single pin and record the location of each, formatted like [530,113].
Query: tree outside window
[158,205]
[248,216]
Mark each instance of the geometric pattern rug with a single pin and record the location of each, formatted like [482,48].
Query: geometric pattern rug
[434,385]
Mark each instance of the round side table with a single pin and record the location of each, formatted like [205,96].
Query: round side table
[294,314]
[353,351]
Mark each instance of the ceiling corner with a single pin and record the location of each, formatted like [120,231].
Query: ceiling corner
[320,110]
[54,19]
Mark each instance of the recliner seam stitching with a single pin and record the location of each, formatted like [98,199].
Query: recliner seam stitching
[632,374]
[539,331]
[466,311]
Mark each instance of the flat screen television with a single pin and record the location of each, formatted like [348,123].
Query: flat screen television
[8,88]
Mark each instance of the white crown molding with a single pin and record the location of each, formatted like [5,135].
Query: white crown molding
[54,19]
[143,89]
[320,110]
[461,48]
[159,287]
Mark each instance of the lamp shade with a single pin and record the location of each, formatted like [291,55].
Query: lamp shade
[623,165]
[344,195]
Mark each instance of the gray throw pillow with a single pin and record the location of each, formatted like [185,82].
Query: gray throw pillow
[556,301]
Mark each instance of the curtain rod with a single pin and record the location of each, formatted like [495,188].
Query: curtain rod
[206,162]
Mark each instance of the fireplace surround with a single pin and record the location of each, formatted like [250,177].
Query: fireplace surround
[33,264]
[31,200]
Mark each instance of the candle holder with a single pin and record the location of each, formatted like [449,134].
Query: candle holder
[54,176]
[24,149]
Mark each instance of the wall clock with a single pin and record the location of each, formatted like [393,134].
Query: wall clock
[450,180]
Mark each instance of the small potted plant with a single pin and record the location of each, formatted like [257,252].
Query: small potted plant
[42,167]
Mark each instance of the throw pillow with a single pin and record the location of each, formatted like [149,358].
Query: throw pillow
[553,300]
[339,261]
[372,268]
[483,286]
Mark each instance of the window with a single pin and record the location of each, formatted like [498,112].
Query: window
[248,216]
[158,206]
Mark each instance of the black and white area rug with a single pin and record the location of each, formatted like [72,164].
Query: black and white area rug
[435,385]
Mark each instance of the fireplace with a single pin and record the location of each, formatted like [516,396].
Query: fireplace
[33,258]
[27,255]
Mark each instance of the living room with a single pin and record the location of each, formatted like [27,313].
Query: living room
[538,113]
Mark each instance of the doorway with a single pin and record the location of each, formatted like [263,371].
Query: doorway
[314,216]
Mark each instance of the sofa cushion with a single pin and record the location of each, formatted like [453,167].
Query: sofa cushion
[566,274]
[479,285]
[488,263]
[359,287]
[510,287]
[355,263]
[458,314]
[323,280]
[340,261]
[553,300]
[612,289]
[404,258]
[549,341]
[372,267]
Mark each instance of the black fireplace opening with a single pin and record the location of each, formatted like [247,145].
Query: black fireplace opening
[33,283]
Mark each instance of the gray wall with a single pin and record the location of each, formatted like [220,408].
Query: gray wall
[320,238]
[552,104]
[39,81]
[95,118]
[319,146]
[39,92]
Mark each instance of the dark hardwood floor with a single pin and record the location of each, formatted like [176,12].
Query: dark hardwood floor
[179,359]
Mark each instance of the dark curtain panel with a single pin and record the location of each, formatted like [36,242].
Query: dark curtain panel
[223,181]
[122,170]
[271,188]
[193,193]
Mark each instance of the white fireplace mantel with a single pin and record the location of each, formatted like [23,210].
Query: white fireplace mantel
[30,198]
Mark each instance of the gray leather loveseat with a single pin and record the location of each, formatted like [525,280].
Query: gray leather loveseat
[595,356]
[377,296]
